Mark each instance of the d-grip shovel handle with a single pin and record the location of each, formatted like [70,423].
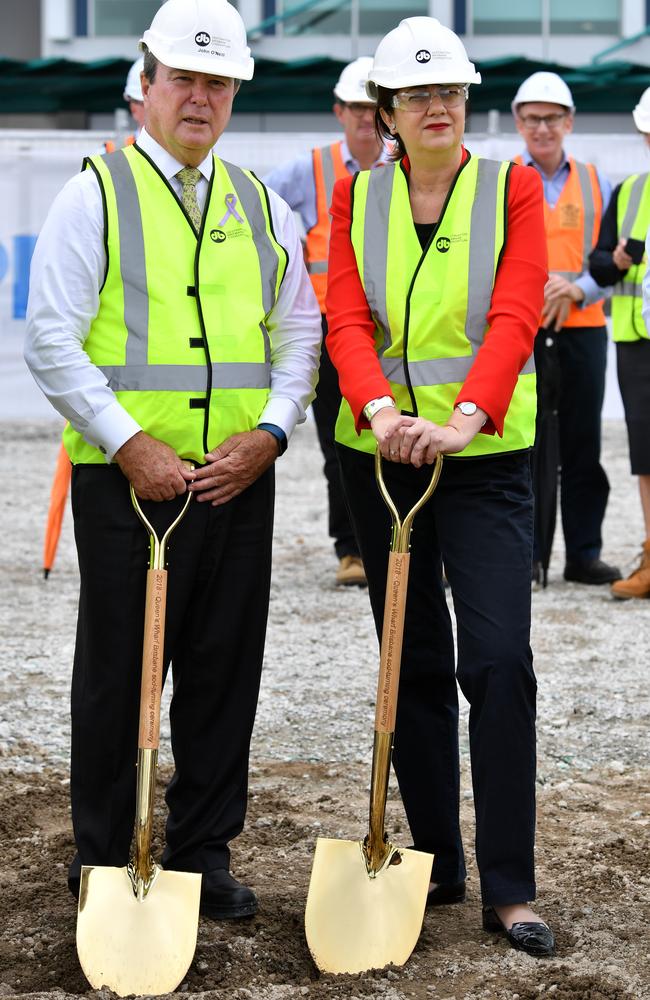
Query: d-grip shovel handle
[395,602]
[377,848]
[142,869]
[154,629]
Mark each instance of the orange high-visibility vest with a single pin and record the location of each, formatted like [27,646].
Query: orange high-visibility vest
[328,168]
[110,146]
[572,228]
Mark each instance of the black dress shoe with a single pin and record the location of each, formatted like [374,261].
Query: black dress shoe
[445,895]
[594,571]
[533,937]
[224,898]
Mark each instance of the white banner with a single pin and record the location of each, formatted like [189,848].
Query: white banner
[34,166]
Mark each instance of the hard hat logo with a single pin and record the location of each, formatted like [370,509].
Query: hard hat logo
[202,38]
[423,56]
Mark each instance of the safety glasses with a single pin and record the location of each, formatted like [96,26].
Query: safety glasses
[452,95]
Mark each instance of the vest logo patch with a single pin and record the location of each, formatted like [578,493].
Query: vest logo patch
[217,235]
[443,244]
[423,56]
[570,216]
[202,38]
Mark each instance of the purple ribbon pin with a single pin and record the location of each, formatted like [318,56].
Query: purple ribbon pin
[231,205]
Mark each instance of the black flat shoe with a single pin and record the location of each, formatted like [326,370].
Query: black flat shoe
[445,895]
[533,937]
[224,898]
[595,572]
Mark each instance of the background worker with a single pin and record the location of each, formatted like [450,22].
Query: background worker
[306,184]
[628,218]
[575,197]
[217,374]
[133,97]
[432,307]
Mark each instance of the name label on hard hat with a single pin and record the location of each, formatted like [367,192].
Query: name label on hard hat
[423,56]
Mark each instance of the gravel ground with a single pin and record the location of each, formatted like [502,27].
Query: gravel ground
[310,757]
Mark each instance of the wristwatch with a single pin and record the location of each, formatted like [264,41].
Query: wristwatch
[374,405]
[469,409]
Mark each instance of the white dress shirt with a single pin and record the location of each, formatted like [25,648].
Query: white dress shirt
[67,273]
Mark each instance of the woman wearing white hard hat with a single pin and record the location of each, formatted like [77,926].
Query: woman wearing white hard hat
[436,276]
[620,259]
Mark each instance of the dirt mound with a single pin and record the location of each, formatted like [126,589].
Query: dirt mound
[594,887]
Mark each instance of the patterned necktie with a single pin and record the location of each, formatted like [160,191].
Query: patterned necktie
[189,178]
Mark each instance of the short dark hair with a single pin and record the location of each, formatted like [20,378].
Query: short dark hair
[385,102]
[150,64]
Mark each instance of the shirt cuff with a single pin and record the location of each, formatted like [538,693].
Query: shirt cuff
[283,413]
[110,430]
[593,292]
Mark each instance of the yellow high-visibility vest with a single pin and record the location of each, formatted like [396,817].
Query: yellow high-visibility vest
[632,220]
[181,332]
[430,306]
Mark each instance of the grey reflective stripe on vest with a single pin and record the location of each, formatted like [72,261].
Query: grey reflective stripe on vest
[375,247]
[186,378]
[250,199]
[442,371]
[132,258]
[630,290]
[632,209]
[480,278]
[317,267]
[589,212]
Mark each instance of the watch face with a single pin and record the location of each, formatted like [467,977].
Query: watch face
[467,408]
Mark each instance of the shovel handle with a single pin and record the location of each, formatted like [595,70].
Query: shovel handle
[391,641]
[152,659]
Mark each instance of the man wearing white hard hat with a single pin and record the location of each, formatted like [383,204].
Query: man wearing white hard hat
[576,196]
[171,320]
[620,259]
[306,184]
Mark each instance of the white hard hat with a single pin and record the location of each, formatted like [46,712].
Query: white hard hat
[203,36]
[546,88]
[419,50]
[133,87]
[351,85]
[641,113]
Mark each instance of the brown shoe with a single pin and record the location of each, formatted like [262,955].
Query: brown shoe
[637,583]
[351,572]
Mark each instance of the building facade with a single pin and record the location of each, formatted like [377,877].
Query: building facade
[565,31]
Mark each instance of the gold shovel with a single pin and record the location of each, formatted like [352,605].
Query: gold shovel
[366,899]
[137,926]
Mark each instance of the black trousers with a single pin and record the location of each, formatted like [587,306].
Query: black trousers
[219,562]
[326,410]
[584,487]
[480,522]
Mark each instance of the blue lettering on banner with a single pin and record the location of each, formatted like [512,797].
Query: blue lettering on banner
[23,250]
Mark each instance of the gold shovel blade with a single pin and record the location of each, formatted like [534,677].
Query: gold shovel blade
[132,946]
[354,922]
